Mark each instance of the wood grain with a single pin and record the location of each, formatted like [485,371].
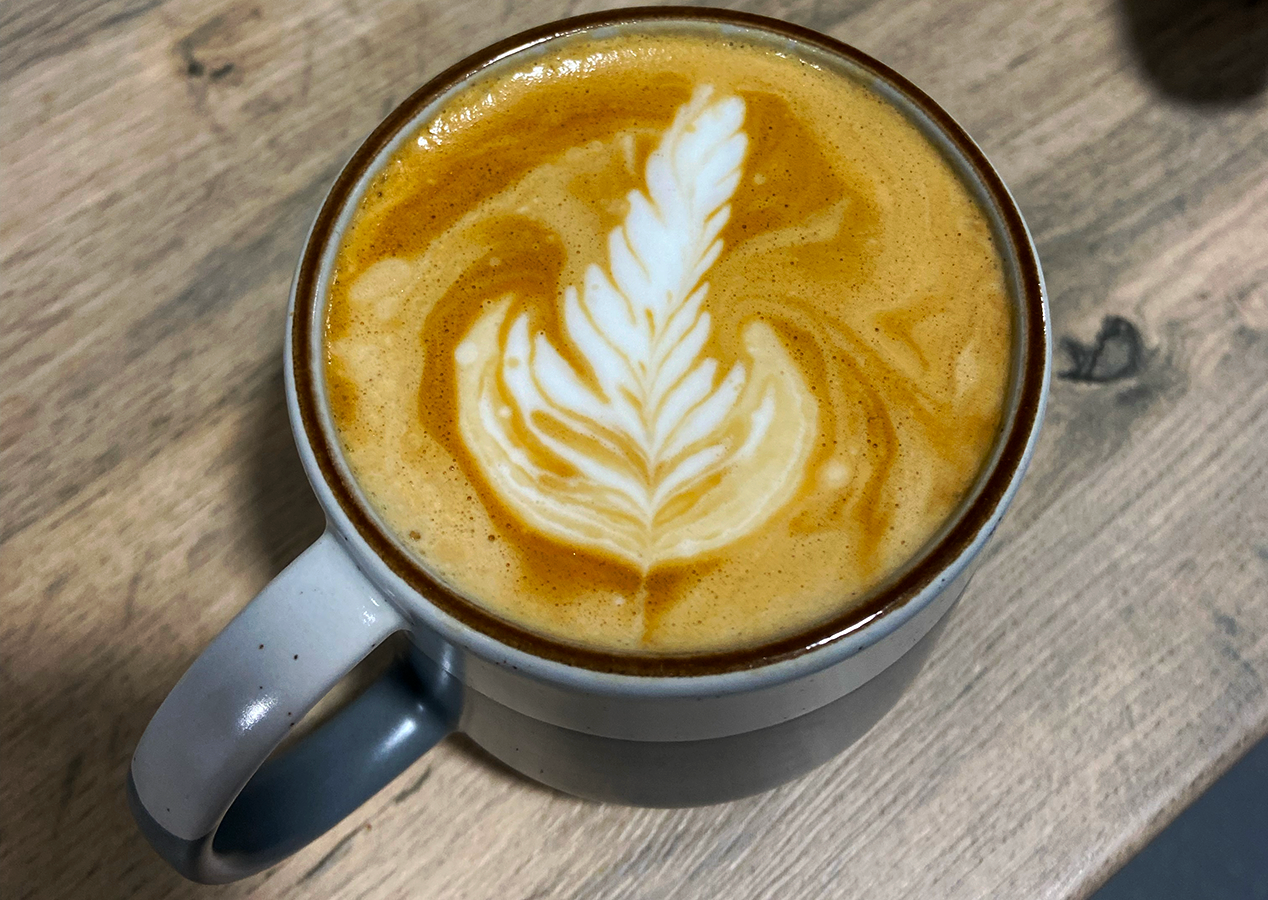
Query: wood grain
[161,161]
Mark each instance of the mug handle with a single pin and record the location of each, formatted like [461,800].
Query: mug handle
[201,785]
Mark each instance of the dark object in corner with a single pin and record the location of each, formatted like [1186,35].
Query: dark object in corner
[1215,848]
[1201,51]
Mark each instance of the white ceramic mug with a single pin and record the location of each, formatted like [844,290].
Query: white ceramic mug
[628,729]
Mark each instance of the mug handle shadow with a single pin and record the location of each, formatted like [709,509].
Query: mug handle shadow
[202,786]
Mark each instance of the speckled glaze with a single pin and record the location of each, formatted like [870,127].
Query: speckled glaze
[628,729]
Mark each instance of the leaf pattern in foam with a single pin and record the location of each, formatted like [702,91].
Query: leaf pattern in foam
[663,421]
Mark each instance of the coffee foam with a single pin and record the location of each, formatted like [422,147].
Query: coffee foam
[854,293]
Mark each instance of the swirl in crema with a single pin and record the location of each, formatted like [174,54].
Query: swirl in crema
[649,454]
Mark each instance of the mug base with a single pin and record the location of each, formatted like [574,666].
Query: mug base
[687,773]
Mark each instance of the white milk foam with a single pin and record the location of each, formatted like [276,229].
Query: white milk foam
[669,458]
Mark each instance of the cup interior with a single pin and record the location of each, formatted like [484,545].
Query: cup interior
[950,548]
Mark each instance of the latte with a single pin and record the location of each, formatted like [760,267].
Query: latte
[666,344]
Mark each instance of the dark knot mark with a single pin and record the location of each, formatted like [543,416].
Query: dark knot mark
[196,69]
[413,788]
[219,36]
[69,780]
[337,852]
[1117,353]
[1227,624]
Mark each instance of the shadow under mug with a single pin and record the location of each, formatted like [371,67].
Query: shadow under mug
[630,729]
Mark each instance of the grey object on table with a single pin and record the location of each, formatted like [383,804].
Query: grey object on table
[1218,847]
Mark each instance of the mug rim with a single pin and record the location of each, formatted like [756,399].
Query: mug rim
[920,578]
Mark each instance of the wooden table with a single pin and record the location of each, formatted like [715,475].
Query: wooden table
[162,160]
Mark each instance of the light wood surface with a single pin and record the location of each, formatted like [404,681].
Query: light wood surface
[161,162]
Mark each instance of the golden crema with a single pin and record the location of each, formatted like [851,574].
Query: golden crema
[666,344]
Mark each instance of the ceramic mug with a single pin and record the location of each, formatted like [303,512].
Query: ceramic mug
[636,730]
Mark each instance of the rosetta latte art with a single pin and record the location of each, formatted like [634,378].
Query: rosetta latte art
[649,452]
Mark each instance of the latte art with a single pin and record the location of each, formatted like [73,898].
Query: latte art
[652,454]
[662,343]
